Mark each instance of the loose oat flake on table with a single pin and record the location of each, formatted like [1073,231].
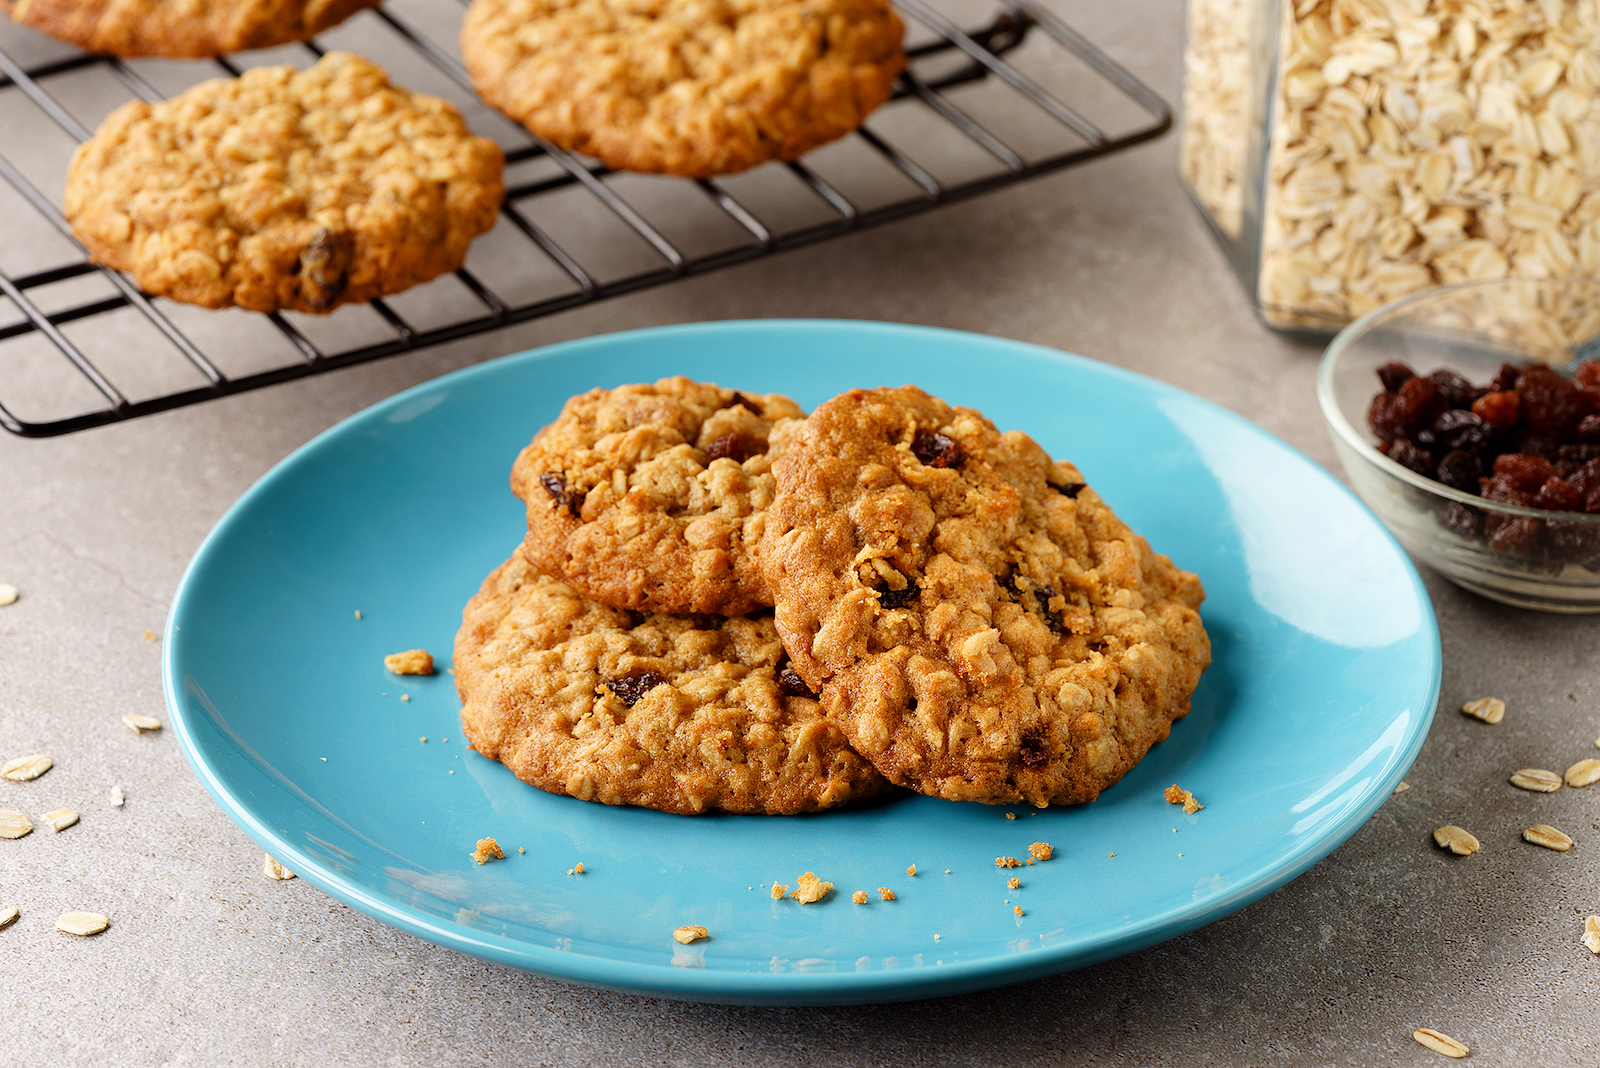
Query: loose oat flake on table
[8,594]
[60,819]
[14,824]
[1488,709]
[1591,934]
[1456,840]
[9,917]
[1584,773]
[140,724]
[82,924]
[1537,780]
[1440,1042]
[24,769]
[271,869]
[1542,834]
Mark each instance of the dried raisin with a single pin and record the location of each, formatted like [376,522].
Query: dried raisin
[736,446]
[1557,495]
[1525,473]
[1408,453]
[1394,375]
[1589,428]
[1505,378]
[790,683]
[938,450]
[1498,408]
[1551,404]
[1460,469]
[899,598]
[630,688]
[565,496]
[1457,390]
[1455,429]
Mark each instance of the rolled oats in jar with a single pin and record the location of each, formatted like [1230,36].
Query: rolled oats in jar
[1350,152]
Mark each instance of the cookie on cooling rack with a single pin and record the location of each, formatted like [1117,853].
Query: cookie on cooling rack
[180,27]
[285,189]
[975,618]
[653,496]
[677,713]
[686,87]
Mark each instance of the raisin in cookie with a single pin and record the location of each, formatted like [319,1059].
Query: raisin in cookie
[653,496]
[675,713]
[285,189]
[180,27]
[978,622]
[688,87]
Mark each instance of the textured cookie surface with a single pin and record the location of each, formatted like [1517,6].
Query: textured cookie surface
[285,190]
[180,27]
[653,496]
[976,619]
[689,87]
[676,713]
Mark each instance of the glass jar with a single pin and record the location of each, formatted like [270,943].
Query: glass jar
[1350,152]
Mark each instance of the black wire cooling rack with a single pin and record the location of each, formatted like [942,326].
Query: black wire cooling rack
[81,346]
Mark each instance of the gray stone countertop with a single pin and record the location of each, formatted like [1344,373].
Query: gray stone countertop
[208,963]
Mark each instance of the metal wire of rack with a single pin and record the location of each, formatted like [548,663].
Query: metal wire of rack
[946,60]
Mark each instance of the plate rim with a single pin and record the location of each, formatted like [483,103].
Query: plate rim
[785,988]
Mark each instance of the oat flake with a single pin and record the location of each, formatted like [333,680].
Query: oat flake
[1591,934]
[115,796]
[9,917]
[271,869]
[1545,835]
[1456,840]
[82,924]
[14,824]
[8,593]
[1488,709]
[60,819]
[25,768]
[1536,779]
[140,724]
[1440,1042]
[1583,773]
[689,933]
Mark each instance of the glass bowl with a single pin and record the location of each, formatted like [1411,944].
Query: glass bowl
[1527,557]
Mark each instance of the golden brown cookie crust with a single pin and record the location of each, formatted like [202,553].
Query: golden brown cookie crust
[687,87]
[976,619]
[179,28]
[533,661]
[285,190]
[635,498]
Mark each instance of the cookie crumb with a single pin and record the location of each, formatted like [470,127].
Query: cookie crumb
[271,869]
[689,933]
[405,697]
[885,894]
[1440,1042]
[1401,787]
[1110,854]
[936,938]
[410,662]
[778,890]
[1177,795]
[576,869]
[521,850]
[1041,851]
[859,897]
[1011,815]
[149,635]
[1014,883]
[809,889]
[422,739]
[912,871]
[358,613]
[140,724]
[115,796]
[1017,909]
[947,871]
[60,819]
[82,924]
[1007,862]
[488,849]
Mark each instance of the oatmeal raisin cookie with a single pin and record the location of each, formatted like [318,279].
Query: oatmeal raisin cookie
[678,713]
[688,87]
[285,189]
[180,27]
[976,619]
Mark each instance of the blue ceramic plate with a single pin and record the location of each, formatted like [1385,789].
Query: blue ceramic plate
[1324,681]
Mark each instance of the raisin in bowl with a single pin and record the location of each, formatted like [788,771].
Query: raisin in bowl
[1468,418]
